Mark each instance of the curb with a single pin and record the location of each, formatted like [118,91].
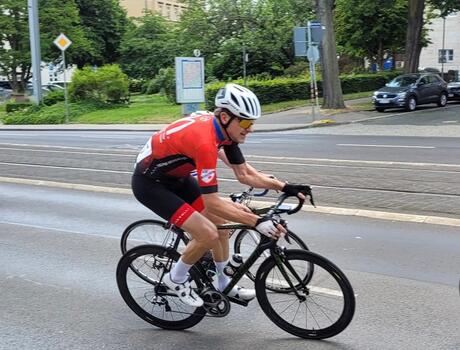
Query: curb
[381,215]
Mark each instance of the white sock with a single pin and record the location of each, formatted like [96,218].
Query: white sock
[179,271]
[222,278]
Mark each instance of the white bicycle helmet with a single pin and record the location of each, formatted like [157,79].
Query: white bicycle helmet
[239,100]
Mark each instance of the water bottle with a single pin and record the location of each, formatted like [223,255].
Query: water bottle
[233,265]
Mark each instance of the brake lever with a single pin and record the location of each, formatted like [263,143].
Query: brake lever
[286,236]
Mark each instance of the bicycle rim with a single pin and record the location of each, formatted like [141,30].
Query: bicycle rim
[146,296]
[326,305]
[148,232]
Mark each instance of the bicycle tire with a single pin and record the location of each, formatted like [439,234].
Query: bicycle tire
[328,287]
[148,294]
[247,240]
[148,232]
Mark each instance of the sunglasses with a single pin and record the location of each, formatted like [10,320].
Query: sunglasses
[245,123]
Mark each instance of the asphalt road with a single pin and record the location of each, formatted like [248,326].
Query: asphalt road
[418,175]
[59,250]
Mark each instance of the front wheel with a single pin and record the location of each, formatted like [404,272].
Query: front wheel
[411,104]
[319,309]
[139,278]
[442,100]
[246,242]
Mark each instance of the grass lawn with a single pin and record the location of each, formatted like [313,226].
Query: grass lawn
[143,109]
[150,109]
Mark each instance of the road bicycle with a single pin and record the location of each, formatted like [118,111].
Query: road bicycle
[150,231]
[317,301]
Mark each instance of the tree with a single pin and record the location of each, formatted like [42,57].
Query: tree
[222,28]
[148,47]
[414,35]
[370,28]
[55,16]
[104,22]
[332,90]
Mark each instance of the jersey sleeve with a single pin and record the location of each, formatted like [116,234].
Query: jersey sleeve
[206,164]
[234,154]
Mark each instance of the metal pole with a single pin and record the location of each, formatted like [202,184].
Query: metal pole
[312,74]
[244,64]
[65,89]
[35,49]
[444,56]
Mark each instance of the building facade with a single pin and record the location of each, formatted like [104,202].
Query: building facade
[169,9]
[445,58]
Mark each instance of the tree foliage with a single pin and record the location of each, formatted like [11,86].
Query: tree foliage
[149,46]
[104,22]
[55,16]
[370,28]
[221,28]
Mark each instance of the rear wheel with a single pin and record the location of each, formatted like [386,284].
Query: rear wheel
[246,242]
[442,100]
[411,103]
[149,232]
[139,278]
[319,309]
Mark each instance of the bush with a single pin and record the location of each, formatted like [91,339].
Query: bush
[287,89]
[12,107]
[153,87]
[166,80]
[136,85]
[105,84]
[54,114]
[53,97]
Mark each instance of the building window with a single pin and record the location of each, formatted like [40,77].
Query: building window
[446,55]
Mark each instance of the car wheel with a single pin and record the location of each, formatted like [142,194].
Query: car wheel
[411,104]
[380,109]
[442,100]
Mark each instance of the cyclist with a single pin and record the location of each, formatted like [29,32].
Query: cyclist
[162,182]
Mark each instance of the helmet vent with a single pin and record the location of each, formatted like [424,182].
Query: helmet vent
[235,100]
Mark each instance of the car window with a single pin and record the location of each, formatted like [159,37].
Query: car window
[435,79]
[403,80]
[423,80]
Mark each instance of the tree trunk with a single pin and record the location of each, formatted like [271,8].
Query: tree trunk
[332,90]
[413,36]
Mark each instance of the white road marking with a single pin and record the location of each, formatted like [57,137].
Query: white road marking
[328,160]
[68,168]
[450,121]
[69,152]
[56,229]
[382,146]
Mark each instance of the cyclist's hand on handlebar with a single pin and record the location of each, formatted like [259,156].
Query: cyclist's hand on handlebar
[270,228]
[298,190]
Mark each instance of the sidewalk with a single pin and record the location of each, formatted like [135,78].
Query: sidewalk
[296,118]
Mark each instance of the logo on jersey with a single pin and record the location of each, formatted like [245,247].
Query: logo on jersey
[207,175]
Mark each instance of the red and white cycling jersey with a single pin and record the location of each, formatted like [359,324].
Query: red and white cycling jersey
[185,145]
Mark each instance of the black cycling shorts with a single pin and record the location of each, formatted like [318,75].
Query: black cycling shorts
[172,199]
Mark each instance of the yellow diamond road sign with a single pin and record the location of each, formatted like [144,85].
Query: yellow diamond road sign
[62,42]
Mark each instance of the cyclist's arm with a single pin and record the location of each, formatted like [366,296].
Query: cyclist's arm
[224,209]
[247,175]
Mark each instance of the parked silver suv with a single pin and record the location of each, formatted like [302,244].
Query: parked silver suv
[409,90]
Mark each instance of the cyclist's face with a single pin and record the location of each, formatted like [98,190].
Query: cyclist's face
[237,132]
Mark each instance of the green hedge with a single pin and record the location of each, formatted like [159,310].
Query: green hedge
[13,107]
[286,89]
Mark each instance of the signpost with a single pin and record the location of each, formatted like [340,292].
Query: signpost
[63,42]
[35,49]
[306,42]
[190,82]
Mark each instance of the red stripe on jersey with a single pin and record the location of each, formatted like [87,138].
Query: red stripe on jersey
[182,214]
